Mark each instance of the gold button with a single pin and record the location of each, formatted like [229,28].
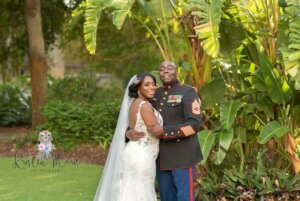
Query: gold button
[178,132]
[166,92]
[166,134]
[164,98]
[172,133]
[161,104]
[160,110]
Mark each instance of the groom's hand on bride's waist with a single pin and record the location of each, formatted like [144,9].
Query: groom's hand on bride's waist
[155,130]
[134,135]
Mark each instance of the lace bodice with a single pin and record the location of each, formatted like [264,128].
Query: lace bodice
[141,127]
[139,163]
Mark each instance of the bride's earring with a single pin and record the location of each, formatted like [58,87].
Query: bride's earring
[140,95]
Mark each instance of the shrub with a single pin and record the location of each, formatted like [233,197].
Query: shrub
[72,123]
[14,105]
[82,88]
[77,109]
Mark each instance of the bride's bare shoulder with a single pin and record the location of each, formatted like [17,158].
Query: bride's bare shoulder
[146,107]
[147,113]
[134,106]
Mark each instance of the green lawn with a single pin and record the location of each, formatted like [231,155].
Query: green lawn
[20,181]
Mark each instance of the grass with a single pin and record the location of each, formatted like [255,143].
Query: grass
[47,180]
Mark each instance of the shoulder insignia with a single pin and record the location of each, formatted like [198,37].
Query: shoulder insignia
[196,107]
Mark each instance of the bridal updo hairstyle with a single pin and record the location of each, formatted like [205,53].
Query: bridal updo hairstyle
[134,87]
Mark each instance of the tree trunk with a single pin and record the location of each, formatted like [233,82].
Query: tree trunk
[37,59]
[197,50]
[290,148]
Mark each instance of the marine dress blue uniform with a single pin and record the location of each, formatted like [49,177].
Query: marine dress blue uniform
[179,149]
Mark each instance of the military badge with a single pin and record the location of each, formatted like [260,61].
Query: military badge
[174,98]
[196,107]
[187,130]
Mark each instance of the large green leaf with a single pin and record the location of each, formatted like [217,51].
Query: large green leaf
[207,28]
[77,14]
[291,54]
[237,143]
[265,105]
[123,9]
[258,81]
[241,133]
[279,91]
[212,93]
[272,129]
[92,16]
[157,8]
[228,113]
[225,140]
[206,140]
[160,12]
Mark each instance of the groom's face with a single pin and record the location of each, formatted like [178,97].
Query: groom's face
[167,72]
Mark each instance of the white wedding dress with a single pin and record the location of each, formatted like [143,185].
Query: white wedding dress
[129,171]
[139,160]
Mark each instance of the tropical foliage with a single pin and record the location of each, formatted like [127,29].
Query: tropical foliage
[243,57]
[260,99]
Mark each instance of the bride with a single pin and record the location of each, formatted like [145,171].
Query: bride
[129,172]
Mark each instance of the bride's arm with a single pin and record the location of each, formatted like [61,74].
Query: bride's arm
[150,119]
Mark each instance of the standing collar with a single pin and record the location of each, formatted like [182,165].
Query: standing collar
[170,86]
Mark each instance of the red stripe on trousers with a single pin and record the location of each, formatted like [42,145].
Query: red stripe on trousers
[191,184]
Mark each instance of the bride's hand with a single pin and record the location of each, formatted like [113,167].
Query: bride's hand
[134,135]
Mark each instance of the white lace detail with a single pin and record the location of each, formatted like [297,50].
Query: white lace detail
[139,163]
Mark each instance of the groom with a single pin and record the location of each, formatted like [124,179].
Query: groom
[179,149]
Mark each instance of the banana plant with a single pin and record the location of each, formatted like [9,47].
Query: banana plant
[280,93]
[207,17]
[158,11]
[91,11]
[206,140]
[160,14]
[200,20]
[260,17]
[291,53]
[202,36]
[235,124]
[213,94]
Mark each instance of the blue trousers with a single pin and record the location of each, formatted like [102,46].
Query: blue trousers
[176,185]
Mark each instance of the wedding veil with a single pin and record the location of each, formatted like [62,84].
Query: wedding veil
[109,187]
